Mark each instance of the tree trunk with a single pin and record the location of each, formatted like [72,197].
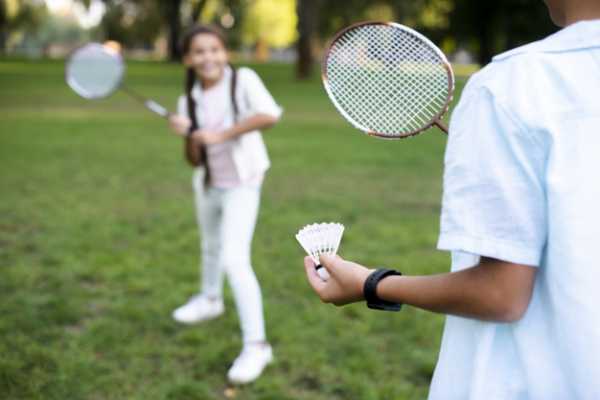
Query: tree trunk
[3,28]
[174,23]
[307,20]
[485,30]
[196,11]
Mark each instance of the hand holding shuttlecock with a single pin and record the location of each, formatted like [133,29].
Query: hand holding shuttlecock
[318,239]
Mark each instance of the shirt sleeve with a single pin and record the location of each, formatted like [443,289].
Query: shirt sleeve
[494,201]
[257,96]
[182,106]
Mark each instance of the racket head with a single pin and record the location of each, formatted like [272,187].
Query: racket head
[94,70]
[387,79]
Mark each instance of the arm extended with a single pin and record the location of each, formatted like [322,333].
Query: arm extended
[180,125]
[493,290]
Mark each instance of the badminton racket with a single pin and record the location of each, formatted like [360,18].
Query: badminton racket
[95,71]
[388,80]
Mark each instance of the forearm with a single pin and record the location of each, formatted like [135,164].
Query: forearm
[488,291]
[258,121]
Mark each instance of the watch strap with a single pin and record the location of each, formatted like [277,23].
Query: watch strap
[370,290]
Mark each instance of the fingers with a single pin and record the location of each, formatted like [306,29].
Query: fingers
[313,277]
[177,126]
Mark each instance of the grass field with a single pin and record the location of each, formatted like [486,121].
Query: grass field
[98,244]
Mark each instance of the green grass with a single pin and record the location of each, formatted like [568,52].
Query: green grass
[98,244]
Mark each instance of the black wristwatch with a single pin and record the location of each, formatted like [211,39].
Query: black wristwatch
[370,291]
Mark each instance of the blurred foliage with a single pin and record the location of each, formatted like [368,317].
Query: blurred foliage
[22,15]
[435,14]
[228,14]
[27,25]
[209,10]
[132,22]
[61,30]
[488,28]
[431,14]
[482,28]
[271,21]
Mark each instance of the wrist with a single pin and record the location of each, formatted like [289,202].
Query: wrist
[229,133]
[361,282]
[371,290]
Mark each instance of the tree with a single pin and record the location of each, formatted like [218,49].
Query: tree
[139,22]
[196,11]
[23,16]
[492,27]
[322,19]
[3,25]
[307,24]
[229,14]
[173,16]
[132,22]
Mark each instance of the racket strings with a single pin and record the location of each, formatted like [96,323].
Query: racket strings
[94,72]
[387,80]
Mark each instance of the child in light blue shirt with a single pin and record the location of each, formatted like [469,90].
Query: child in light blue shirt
[521,217]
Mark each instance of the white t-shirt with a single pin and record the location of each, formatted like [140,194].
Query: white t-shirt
[522,184]
[248,152]
[214,106]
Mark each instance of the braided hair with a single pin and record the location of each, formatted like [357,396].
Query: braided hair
[190,75]
[197,155]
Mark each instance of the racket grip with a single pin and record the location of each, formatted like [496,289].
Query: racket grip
[156,108]
[322,272]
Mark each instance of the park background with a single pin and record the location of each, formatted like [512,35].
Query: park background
[98,241]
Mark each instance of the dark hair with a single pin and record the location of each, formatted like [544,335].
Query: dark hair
[198,30]
[190,76]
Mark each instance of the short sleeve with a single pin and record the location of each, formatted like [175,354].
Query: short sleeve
[182,106]
[494,202]
[257,96]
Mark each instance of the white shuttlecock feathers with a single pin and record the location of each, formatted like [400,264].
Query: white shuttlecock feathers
[322,238]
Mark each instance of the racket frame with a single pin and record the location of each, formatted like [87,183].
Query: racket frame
[150,104]
[435,121]
[112,53]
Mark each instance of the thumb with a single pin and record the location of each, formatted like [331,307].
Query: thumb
[331,263]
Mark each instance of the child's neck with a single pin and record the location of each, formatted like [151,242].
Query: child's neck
[582,11]
[208,83]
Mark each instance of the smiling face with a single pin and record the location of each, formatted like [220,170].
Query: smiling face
[207,56]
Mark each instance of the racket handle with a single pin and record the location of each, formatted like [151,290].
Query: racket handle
[322,272]
[440,125]
[156,108]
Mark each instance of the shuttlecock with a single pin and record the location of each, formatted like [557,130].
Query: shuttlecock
[317,239]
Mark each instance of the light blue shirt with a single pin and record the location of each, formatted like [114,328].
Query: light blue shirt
[522,184]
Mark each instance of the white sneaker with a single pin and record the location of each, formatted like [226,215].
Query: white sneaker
[198,308]
[250,363]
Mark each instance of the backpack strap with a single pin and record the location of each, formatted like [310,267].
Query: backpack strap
[232,94]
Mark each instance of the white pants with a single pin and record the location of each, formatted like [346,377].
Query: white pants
[226,218]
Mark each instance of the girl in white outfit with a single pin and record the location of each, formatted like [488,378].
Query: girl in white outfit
[221,114]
